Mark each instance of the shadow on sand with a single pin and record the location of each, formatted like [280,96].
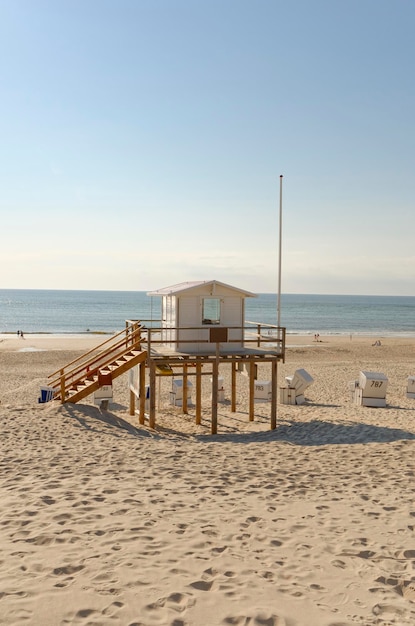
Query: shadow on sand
[319,433]
[93,418]
[314,433]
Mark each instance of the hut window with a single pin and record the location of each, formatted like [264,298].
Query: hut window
[211,311]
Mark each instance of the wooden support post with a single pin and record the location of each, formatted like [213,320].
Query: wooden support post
[251,389]
[132,402]
[198,391]
[184,398]
[274,371]
[152,376]
[62,386]
[233,397]
[215,373]
[142,388]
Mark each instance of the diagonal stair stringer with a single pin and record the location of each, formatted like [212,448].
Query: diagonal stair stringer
[90,384]
[87,373]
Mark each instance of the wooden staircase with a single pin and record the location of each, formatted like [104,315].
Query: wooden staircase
[86,374]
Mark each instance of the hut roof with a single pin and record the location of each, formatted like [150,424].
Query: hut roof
[196,284]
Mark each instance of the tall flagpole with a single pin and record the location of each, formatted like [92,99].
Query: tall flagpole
[279,259]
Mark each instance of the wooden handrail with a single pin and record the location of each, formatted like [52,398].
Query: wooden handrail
[83,363]
[92,361]
[70,379]
[98,347]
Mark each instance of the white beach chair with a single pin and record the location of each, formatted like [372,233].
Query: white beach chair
[176,394]
[46,394]
[293,391]
[262,391]
[103,395]
[410,389]
[221,389]
[370,389]
[353,385]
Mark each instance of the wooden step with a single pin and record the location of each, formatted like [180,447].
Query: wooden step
[122,364]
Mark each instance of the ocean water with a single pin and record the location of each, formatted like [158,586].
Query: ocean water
[74,312]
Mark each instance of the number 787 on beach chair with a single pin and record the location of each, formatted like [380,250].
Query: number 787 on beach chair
[370,389]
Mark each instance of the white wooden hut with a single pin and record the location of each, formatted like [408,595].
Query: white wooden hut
[190,310]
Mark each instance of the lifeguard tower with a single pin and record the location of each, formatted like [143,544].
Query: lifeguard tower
[201,326]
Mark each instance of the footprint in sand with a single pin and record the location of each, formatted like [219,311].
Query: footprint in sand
[72,619]
[404,588]
[260,619]
[178,602]
[218,550]
[407,589]
[388,611]
[20,616]
[112,610]
[206,580]
[202,585]
[48,500]
[42,540]
[67,570]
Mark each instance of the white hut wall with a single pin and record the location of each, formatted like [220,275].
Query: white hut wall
[169,321]
[232,314]
[189,321]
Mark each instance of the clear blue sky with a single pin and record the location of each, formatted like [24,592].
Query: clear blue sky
[142,143]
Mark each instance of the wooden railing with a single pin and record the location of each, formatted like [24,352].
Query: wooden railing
[252,334]
[88,365]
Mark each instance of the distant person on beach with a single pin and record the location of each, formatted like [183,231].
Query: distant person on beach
[21,334]
[18,332]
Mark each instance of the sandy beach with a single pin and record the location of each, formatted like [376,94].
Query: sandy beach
[104,521]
